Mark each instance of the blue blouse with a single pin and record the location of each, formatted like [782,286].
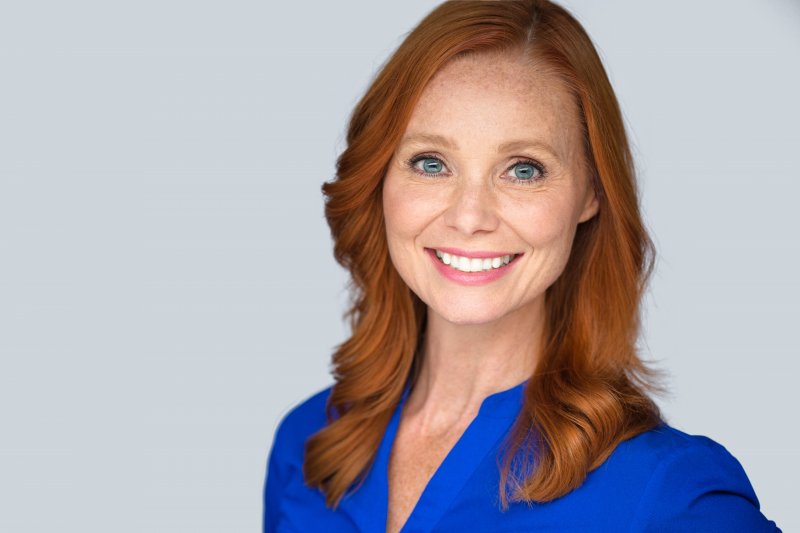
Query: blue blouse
[659,480]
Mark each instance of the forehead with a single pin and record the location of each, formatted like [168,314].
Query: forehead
[498,96]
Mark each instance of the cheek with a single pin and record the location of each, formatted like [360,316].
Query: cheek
[542,223]
[407,209]
[406,212]
[546,227]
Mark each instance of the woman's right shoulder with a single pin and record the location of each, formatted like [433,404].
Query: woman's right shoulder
[303,419]
[285,464]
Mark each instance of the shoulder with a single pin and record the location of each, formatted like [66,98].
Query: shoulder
[693,483]
[301,421]
[285,458]
[665,443]
[284,465]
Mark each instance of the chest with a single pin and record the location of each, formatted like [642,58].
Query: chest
[412,463]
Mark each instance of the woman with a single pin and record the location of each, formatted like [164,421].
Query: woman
[486,208]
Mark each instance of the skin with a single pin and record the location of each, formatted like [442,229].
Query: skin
[479,339]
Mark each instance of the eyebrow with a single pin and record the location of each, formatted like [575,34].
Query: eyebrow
[429,138]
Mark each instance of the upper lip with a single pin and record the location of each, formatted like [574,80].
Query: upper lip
[478,254]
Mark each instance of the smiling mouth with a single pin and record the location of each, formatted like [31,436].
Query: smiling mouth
[474,264]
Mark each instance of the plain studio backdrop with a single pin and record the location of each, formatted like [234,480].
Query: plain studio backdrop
[167,284]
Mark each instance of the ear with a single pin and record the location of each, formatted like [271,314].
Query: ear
[591,206]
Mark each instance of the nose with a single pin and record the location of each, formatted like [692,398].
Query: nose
[472,207]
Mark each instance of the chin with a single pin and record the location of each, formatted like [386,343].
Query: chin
[468,315]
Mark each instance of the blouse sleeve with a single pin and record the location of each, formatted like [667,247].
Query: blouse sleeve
[700,487]
[277,474]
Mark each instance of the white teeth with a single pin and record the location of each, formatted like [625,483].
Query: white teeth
[474,264]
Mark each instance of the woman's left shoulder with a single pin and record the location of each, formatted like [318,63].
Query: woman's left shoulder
[694,483]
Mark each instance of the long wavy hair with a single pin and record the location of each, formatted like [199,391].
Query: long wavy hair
[590,389]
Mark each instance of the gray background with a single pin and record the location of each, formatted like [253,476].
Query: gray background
[167,288]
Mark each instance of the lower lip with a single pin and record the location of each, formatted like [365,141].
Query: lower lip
[471,278]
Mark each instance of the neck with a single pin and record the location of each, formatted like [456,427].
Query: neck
[462,364]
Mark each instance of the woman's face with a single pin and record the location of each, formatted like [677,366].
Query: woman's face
[491,164]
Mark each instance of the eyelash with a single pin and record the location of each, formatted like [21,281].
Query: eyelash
[411,164]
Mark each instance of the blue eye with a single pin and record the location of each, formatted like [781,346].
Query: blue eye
[524,171]
[430,165]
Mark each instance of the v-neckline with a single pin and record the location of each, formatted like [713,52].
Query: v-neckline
[369,505]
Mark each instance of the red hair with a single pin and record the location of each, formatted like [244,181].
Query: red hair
[590,389]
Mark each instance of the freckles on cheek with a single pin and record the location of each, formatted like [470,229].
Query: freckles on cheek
[540,224]
[407,209]
[392,210]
